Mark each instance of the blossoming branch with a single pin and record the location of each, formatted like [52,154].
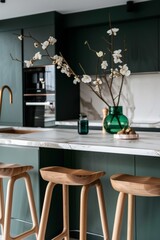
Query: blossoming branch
[118,69]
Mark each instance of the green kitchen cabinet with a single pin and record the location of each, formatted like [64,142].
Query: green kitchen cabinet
[21,219]
[147,208]
[139,37]
[11,75]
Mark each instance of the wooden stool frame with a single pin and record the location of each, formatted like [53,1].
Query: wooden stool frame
[131,186]
[6,210]
[83,209]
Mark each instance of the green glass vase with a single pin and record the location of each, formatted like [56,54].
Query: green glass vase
[115,120]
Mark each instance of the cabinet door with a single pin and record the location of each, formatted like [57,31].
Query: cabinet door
[147,208]
[11,75]
[42,34]
[21,219]
[141,41]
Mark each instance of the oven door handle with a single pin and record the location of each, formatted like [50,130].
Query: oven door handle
[39,103]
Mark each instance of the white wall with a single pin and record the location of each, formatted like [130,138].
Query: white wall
[140,100]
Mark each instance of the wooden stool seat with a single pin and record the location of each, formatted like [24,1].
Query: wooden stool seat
[136,185]
[10,170]
[15,172]
[132,186]
[72,177]
[68,176]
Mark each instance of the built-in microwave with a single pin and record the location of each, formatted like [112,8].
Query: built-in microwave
[39,79]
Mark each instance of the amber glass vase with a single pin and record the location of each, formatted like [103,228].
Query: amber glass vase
[115,120]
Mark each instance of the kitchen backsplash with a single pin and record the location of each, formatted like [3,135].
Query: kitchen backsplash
[140,100]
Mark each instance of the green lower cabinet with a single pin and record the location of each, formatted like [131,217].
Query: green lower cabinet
[147,208]
[21,218]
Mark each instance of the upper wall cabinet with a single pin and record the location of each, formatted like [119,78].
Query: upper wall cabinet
[141,41]
[140,38]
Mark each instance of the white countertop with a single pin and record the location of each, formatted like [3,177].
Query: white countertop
[148,143]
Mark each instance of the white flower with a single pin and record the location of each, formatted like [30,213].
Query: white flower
[20,37]
[76,80]
[45,45]
[124,70]
[100,54]
[104,65]
[57,60]
[28,63]
[117,55]
[98,81]
[65,69]
[36,44]
[114,73]
[113,31]
[52,40]
[37,56]
[86,78]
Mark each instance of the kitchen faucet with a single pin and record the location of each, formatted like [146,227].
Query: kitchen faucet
[1,95]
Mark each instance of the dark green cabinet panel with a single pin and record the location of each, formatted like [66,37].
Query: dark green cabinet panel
[147,209]
[77,52]
[11,75]
[141,41]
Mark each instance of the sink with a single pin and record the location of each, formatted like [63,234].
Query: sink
[17,130]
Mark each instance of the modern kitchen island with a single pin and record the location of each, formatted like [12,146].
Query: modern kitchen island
[95,151]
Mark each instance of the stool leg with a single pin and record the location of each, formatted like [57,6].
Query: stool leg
[8,208]
[102,210]
[130,217]
[118,216]
[31,203]
[1,206]
[45,211]
[65,233]
[66,211]
[83,212]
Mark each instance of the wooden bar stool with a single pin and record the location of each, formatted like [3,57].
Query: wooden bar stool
[15,172]
[66,177]
[132,186]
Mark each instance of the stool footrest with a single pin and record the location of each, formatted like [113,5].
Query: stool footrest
[61,235]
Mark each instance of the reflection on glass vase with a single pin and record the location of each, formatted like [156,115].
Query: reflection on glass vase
[115,120]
